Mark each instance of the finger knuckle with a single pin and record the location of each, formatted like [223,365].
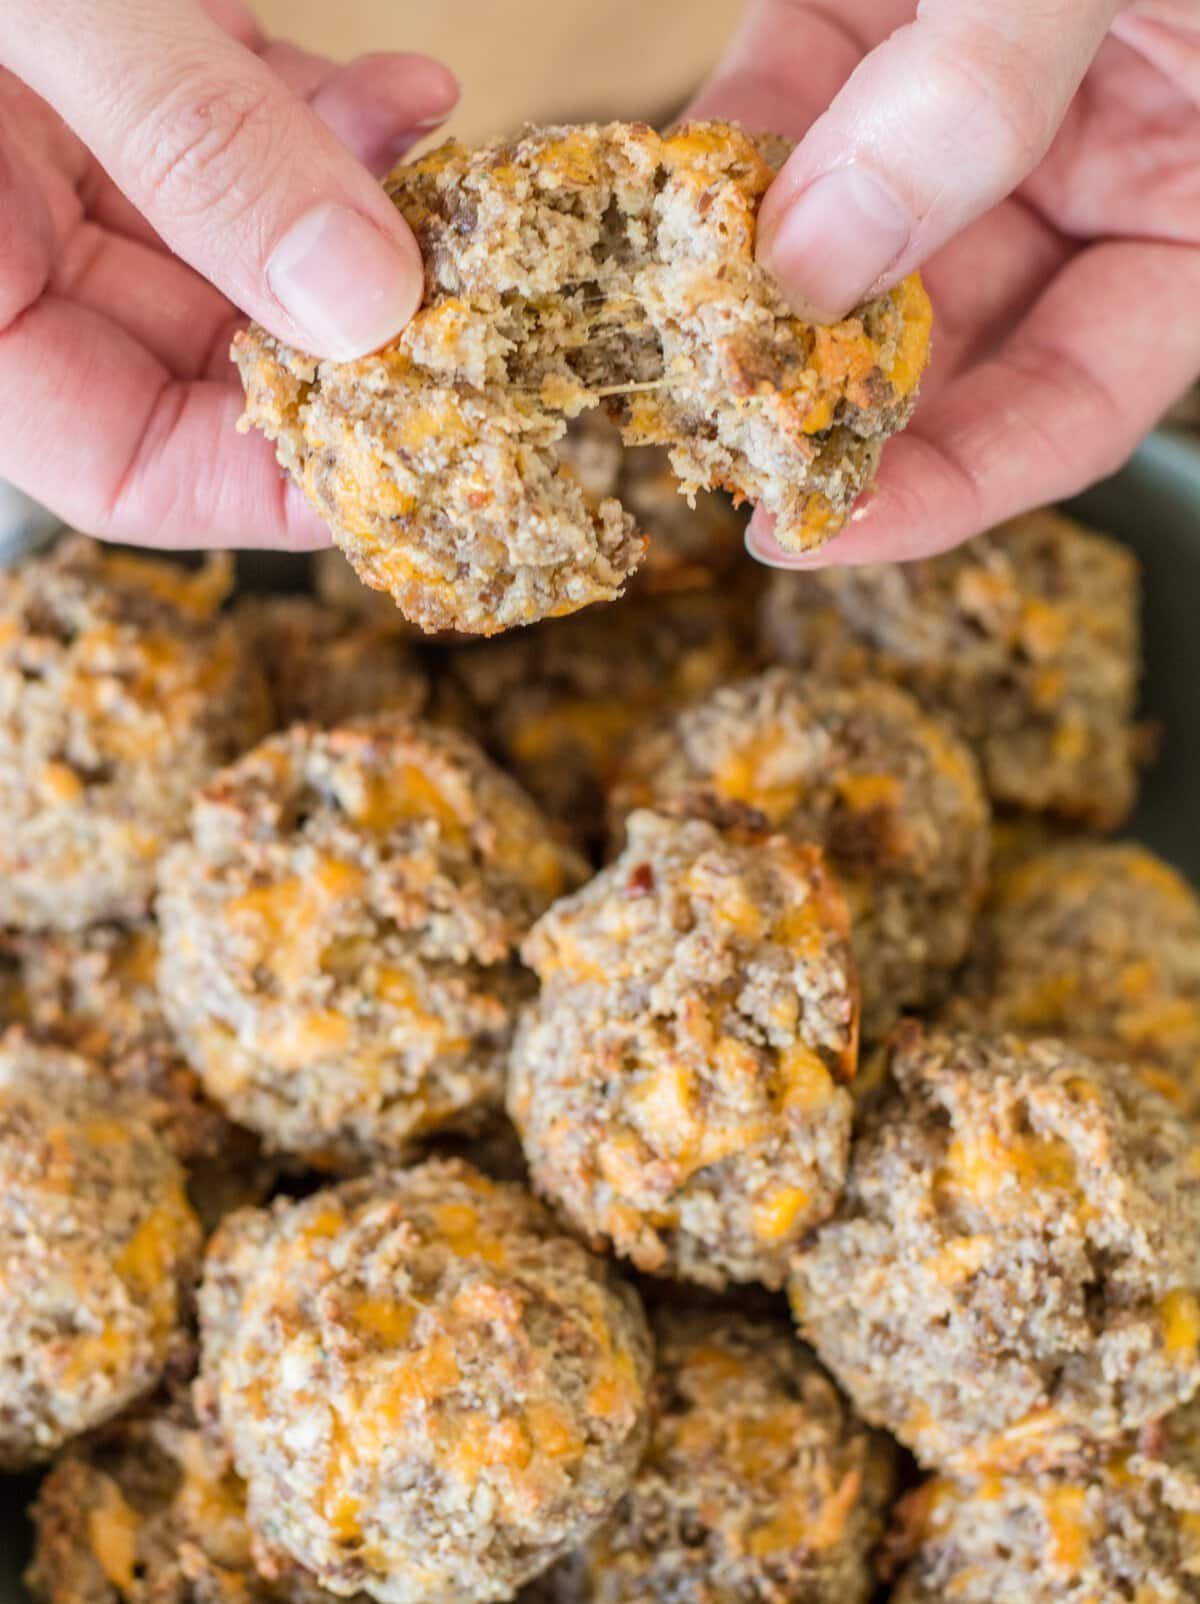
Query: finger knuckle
[26,240]
[207,145]
[1011,110]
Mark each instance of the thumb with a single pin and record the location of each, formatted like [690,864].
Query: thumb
[238,175]
[933,128]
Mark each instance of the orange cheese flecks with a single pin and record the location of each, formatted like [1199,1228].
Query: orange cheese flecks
[1180,1311]
[112,1532]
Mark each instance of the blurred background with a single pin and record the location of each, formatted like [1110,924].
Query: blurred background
[530,60]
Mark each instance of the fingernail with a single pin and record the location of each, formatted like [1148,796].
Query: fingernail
[834,242]
[399,144]
[764,548]
[346,286]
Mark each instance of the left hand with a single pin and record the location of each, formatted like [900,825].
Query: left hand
[165,169]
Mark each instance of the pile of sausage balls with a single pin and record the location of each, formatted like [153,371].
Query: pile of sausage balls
[684,1103]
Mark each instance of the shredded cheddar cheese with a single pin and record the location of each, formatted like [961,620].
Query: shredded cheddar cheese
[1180,1312]
[113,1534]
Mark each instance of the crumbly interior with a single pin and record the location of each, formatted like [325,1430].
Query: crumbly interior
[430,1393]
[894,800]
[1014,1273]
[689,542]
[97,1247]
[1025,639]
[680,1083]
[758,1483]
[1098,943]
[1125,1528]
[567,268]
[121,690]
[339,934]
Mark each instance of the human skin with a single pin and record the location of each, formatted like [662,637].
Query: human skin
[1040,159]
[165,168]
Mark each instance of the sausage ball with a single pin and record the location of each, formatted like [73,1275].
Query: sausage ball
[1025,639]
[895,802]
[326,666]
[97,1250]
[96,992]
[680,1084]
[340,933]
[1127,1527]
[566,268]
[430,1393]
[121,690]
[1099,943]
[758,1485]
[1014,1273]
[559,704]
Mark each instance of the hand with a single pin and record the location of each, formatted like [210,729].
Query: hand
[1040,159]
[163,168]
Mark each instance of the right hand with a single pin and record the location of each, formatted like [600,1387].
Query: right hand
[1040,161]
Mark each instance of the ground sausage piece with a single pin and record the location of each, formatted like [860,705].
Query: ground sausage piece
[1014,1273]
[430,1392]
[340,934]
[98,1247]
[893,799]
[680,1085]
[565,269]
